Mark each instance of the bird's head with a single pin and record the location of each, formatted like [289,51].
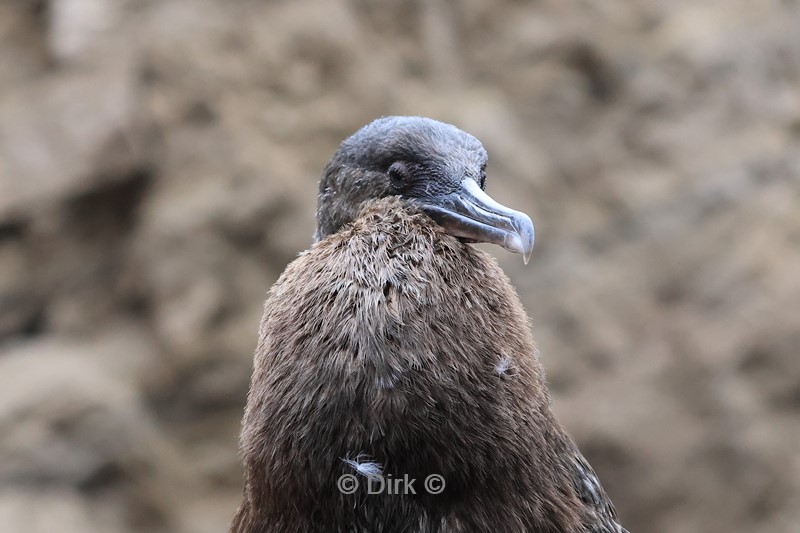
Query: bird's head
[434,165]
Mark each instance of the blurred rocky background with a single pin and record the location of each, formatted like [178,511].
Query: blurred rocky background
[158,169]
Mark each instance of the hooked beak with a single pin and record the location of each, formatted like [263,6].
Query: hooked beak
[473,216]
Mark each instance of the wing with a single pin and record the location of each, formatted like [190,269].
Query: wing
[601,510]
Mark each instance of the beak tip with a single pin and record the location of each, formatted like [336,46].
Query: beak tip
[527,238]
[521,240]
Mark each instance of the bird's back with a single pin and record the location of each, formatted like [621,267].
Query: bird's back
[392,348]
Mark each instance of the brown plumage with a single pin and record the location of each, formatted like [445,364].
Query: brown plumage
[392,347]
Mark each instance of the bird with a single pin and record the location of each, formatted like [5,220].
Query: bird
[392,352]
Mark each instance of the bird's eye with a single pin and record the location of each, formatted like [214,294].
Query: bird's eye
[399,175]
